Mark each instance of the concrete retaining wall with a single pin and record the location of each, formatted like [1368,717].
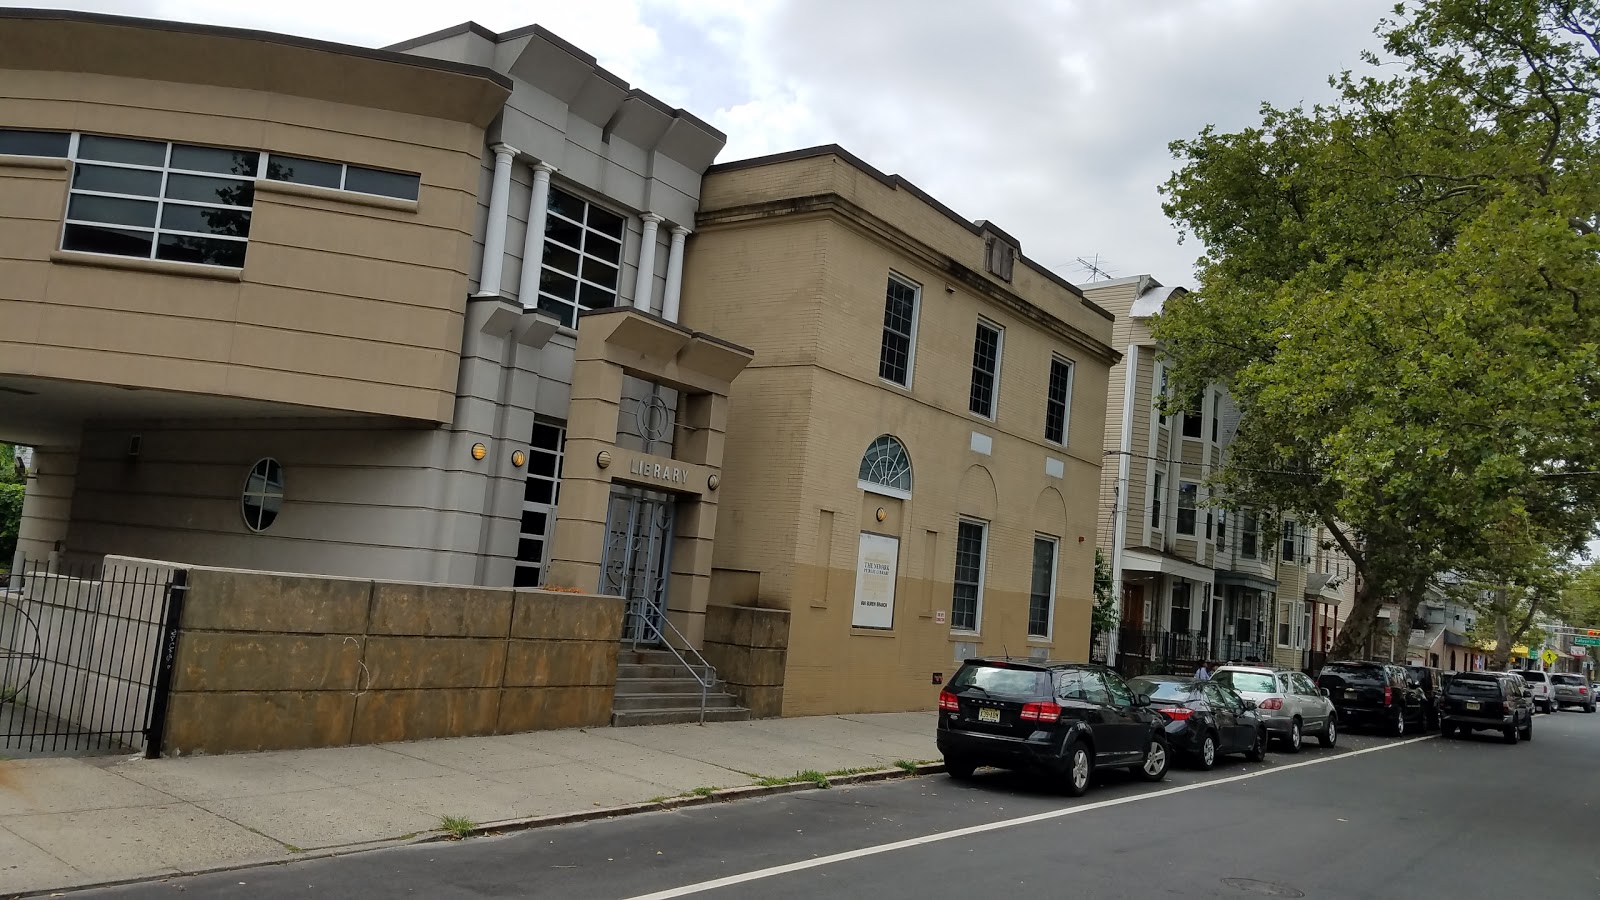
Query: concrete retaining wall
[750,647]
[270,661]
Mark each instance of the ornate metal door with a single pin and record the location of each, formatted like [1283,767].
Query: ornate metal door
[638,559]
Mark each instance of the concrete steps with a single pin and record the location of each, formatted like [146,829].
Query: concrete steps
[654,688]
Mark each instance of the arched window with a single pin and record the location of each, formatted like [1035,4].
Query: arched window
[263,495]
[886,468]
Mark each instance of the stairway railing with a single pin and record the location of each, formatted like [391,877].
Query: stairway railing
[647,613]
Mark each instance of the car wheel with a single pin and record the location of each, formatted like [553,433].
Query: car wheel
[1509,734]
[1527,730]
[1154,767]
[1398,727]
[1291,744]
[958,768]
[1589,708]
[1330,734]
[1080,767]
[1447,730]
[1258,750]
[1206,757]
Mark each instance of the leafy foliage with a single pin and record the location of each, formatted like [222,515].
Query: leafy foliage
[1103,618]
[1401,291]
[12,481]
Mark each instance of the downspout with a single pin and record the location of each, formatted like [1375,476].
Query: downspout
[1119,516]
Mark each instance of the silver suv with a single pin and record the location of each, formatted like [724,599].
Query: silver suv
[1573,690]
[1289,703]
[1539,687]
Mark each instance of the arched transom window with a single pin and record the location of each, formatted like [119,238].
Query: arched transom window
[886,466]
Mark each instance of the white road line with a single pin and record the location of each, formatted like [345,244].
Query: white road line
[785,869]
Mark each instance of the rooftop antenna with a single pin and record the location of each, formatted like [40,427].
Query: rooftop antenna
[1094,268]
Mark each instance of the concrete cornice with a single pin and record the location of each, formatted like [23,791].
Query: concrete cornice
[838,207]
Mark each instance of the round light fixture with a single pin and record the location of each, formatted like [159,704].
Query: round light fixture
[603,459]
[713,481]
[882,514]
[518,458]
[479,451]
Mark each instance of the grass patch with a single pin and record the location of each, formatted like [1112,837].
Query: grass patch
[703,791]
[906,765]
[659,799]
[11,695]
[811,775]
[293,849]
[860,770]
[457,826]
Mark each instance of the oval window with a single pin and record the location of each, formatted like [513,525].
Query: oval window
[263,495]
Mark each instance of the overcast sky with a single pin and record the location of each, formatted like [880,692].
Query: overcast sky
[1049,117]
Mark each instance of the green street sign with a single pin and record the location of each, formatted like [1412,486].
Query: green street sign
[1585,641]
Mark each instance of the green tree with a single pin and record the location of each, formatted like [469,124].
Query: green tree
[1401,291]
[12,481]
[1103,617]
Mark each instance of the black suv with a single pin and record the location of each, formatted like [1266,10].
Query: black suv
[1374,693]
[1061,719]
[1487,701]
[1431,681]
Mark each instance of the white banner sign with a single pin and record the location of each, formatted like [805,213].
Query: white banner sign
[876,565]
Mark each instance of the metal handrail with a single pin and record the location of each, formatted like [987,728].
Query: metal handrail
[659,614]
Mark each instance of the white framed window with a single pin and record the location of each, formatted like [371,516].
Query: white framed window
[1286,624]
[262,499]
[1042,591]
[886,468]
[1181,615]
[1058,401]
[540,495]
[582,263]
[1249,534]
[987,346]
[898,352]
[340,176]
[1216,414]
[1155,501]
[1161,394]
[1194,416]
[1305,626]
[972,551]
[1188,501]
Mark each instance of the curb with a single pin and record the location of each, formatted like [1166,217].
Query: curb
[505,826]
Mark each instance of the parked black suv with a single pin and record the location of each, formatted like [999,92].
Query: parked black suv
[1061,719]
[1487,701]
[1374,693]
[1431,681]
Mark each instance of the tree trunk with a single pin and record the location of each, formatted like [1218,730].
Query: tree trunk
[1358,625]
[1502,639]
[1410,602]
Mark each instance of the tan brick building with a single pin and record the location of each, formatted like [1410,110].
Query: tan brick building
[914,452]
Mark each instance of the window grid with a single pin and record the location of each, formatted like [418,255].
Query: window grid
[262,499]
[341,176]
[1043,589]
[1289,542]
[986,348]
[1182,602]
[1188,496]
[582,265]
[541,494]
[966,602]
[1249,534]
[899,331]
[1058,401]
[886,464]
[1155,502]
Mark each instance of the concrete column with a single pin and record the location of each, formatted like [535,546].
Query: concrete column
[670,299]
[647,263]
[47,507]
[494,235]
[533,244]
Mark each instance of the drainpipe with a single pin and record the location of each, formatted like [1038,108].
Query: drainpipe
[533,244]
[1119,514]
[645,281]
[494,236]
[670,299]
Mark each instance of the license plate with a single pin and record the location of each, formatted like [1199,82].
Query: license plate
[1349,695]
[1473,705]
[988,715]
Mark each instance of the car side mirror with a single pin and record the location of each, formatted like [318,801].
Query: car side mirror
[1249,704]
[1324,692]
[1141,699]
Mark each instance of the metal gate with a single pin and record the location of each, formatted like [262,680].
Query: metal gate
[86,657]
[638,559]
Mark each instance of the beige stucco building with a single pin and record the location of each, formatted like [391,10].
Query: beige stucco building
[913,452]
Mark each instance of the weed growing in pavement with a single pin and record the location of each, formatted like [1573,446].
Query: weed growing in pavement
[856,771]
[703,791]
[293,849]
[906,765]
[659,799]
[457,826]
[12,695]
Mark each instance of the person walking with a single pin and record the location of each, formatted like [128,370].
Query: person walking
[1203,673]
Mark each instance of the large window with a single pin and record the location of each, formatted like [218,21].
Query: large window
[1188,498]
[541,492]
[1155,502]
[1058,401]
[966,601]
[263,495]
[1293,543]
[1249,533]
[582,257]
[1182,604]
[1042,594]
[985,369]
[899,331]
[342,176]
[1216,410]
[1161,394]
[886,468]
[1194,419]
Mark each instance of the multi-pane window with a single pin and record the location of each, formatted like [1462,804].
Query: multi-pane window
[1058,401]
[1216,409]
[1194,416]
[1249,534]
[1155,502]
[985,369]
[1285,614]
[582,257]
[899,331]
[886,465]
[1188,495]
[541,493]
[966,601]
[1182,601]
[1291,543]
[342,176]
[263,495]
[1043,589]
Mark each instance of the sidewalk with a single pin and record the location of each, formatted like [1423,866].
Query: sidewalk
[66,822]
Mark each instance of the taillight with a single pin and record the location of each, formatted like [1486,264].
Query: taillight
[1388,696]
[1582,691]
[948,701]
[1271,703]
[1176,713]
[1041,712]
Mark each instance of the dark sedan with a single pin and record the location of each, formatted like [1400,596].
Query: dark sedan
[1205,720]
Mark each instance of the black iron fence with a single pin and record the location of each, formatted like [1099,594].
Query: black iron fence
[86,657]
[1160,652]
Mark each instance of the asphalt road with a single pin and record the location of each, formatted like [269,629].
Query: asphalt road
[1374,818]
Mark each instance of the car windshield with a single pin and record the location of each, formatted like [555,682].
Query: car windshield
[1247,682]
[1532,676]
[1003,680]
[1469,686]
[1163,690]
[1337,675]
[1575,680]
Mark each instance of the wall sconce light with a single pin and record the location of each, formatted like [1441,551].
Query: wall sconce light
[518,458]
[882,514]
[713,481]
[603,459]
[479,451]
